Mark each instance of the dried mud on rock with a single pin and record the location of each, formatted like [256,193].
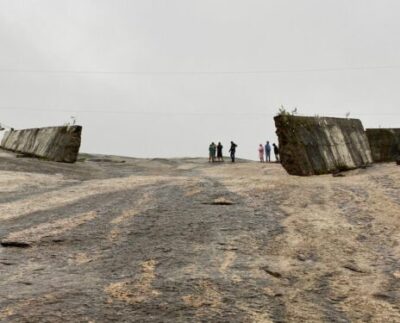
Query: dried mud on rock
[130,240]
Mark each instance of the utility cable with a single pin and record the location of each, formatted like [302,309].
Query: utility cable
[154,113]
[178,73]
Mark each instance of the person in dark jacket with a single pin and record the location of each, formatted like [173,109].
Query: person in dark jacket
[211,151]
[233,151]
[220,157]
[276,152]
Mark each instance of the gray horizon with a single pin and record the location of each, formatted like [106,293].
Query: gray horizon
[164,79]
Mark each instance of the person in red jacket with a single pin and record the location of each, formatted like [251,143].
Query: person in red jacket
[261,153]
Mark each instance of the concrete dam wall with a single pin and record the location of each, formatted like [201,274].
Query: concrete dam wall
[385,144]
[60,144]
[319,145]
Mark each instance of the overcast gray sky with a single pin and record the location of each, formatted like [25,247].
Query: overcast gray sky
[164,78]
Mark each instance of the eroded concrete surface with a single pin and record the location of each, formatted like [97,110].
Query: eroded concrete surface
[384,143]
[182,240]
[321,145]
[60,144]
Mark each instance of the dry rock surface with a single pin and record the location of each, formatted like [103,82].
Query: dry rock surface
[113,239]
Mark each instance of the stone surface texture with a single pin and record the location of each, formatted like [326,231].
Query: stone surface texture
[385,144]
[321,145]
[60,144]
[114,239]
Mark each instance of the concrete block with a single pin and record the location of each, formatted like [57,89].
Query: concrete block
[385,144]
[320,145]
[59,144]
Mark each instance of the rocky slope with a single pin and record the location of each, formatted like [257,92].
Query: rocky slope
[121,240]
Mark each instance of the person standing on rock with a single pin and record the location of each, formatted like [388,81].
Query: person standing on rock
[212,150]
[276,152]
[233,151]
[267,152]
[261,153]
[220,157]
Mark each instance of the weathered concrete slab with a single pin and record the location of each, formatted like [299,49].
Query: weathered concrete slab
[59,144]
[385,144]
[317,145]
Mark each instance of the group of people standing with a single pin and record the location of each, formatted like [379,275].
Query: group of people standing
[267,151]
[215,152]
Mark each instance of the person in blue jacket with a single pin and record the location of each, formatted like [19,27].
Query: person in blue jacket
[267,152]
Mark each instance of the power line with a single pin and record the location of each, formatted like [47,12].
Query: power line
[154,113]
[151,113]
[182,73]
